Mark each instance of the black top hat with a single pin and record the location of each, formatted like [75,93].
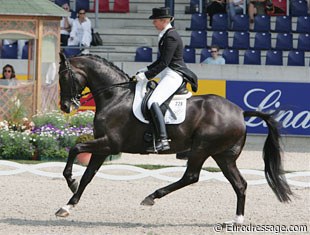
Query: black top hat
[159,13]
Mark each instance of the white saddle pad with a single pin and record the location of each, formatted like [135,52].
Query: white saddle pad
[177,105]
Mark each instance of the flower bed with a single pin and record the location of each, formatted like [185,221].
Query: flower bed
[47,136]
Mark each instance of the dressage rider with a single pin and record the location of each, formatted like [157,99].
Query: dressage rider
[170,68]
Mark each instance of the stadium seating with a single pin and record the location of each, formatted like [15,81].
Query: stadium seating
[189,55]
[262,41]
[296,58]
[144,54]
[69,52]
[283,24]
[284,41]
[220,38]
[198,22]
[252,57]
[204,54]
[303,43]
[241,40]
[198,39]
[82,4]
[303,24]
[298,8]
[25,51]
[274,58]
[261,23]
[240,23]
[219,22]
[104,6]
[9,51]
[231,56]
[121,6]
[61,2]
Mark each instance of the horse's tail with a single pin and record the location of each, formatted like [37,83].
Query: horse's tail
[272,157]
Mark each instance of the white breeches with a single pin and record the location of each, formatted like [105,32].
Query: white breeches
[169,82]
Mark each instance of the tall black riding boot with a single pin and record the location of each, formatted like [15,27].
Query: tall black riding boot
[161,143]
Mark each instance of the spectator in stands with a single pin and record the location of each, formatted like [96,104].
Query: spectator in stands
[256,7]
[234,7]
[65,26]
[81,32]
[215,7]
[215,58]
[8,76]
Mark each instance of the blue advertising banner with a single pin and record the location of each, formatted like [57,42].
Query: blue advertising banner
[292,99]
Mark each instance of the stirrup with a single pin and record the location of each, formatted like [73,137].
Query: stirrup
[159,145]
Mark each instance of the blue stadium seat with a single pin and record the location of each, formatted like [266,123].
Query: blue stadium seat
[25,51]
[252,57]
[198,39]
[189,55]
[204,54]
[219,22]
[69,52]
[296,58]
[240,23]
[61,2]
[303,43]
[220,38]
[241,40]
[261,23]
[283,24]
[82,4]
[262,41]
[298,8]
[198,22]
[284,42]
[274,58]
[9,51]
[231,56]
[303,24]
[144,54]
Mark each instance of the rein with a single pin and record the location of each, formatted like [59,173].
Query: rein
[102,90]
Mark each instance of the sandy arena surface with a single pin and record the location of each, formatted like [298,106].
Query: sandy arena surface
[28,202]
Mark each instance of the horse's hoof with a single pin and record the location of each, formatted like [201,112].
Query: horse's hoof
[63,212]
[148,201]
[74,186]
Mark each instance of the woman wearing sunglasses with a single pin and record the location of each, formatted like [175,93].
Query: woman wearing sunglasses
[81,32]
[8,75]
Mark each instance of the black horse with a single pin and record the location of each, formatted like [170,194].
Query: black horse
[213,127]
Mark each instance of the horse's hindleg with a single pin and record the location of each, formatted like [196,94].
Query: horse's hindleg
[92,168]
[190,176]
[227,163]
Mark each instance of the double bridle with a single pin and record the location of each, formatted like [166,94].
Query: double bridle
[74,94]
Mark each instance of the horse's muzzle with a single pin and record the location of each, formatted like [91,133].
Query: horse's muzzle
[66,106]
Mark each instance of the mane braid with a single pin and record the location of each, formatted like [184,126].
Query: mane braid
[109,63]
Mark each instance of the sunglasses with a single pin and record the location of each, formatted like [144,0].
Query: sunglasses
[81,13]
[213,51]
[8,71]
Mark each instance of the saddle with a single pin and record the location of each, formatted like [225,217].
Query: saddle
[174,109]
[150,87]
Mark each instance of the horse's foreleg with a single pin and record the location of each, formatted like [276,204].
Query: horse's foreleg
[233,175]
[190,176]
[92,168]
[67,173]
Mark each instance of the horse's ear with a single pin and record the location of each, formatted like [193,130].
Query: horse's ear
[63,57]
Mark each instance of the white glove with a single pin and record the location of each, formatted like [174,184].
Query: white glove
[140,77]
[142,70]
